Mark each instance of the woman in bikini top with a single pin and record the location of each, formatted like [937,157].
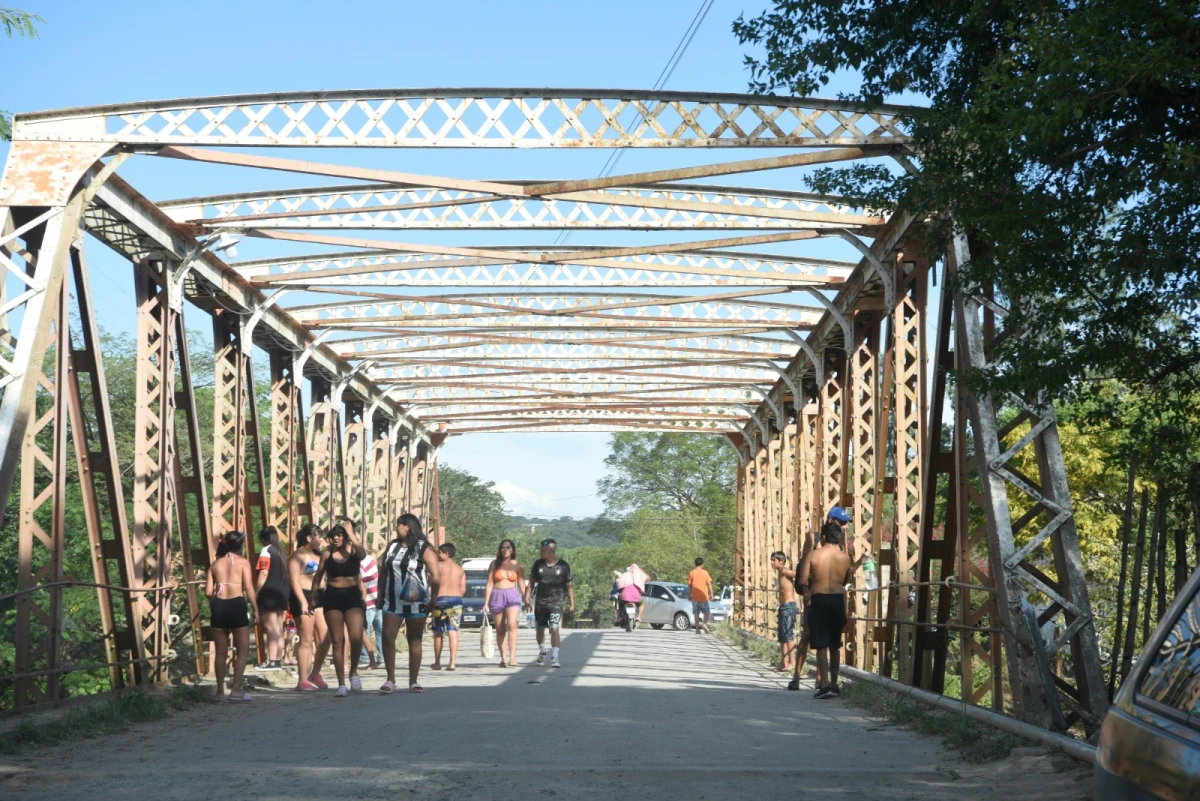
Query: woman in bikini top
[313,645]
[226,585]
[504,593]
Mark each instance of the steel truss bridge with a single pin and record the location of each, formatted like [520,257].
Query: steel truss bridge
[817,370]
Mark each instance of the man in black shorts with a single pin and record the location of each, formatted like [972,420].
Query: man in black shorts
[826,572]
[550,581]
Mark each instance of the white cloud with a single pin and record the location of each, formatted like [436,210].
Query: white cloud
[520,499]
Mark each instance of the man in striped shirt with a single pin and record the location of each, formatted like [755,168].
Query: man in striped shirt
[369,570]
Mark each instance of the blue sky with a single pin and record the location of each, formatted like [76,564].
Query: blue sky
[93,53]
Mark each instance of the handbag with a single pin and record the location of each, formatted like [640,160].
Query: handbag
[487,639]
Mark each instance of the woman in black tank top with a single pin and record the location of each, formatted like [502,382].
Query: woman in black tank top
[345,609]
[272,597]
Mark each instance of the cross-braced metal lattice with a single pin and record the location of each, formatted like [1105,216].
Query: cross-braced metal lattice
[725,316]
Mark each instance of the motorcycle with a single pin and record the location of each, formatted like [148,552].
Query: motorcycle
[627,615]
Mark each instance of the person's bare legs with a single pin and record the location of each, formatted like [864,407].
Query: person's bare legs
[321,635]
[221,646]
[453,637]
[835,661]
[272,623]
[336,624]
[822,667]
[356,623]
[785,655]
[241,641]
[306,626]
[437,650]
[414,629]
[511,620]
[500,622]
[391,628]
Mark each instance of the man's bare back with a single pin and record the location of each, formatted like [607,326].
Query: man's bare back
[452,581]
[828,570]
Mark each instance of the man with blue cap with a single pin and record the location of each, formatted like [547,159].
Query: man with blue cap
[836,515]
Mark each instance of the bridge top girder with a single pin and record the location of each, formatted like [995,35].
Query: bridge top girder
[749,306]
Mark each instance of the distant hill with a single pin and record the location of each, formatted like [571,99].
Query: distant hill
[567,531]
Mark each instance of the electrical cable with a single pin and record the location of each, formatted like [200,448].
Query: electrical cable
[614,158]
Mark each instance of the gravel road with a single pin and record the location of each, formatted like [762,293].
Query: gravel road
[653,713]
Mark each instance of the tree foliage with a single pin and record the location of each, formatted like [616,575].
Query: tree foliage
[668,471]
[472,512]
[1061,136]
[21,24]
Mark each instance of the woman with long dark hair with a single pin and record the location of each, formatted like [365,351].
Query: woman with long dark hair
[305,606]
[342,598]
[504,593]
[228,586]
[272,597]
[408,580]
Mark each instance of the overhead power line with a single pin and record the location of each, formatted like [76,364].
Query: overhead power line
[614,158]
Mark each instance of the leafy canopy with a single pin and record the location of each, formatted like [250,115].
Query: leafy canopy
[23,24]
[1061,136]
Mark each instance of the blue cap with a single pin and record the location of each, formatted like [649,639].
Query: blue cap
[839,514]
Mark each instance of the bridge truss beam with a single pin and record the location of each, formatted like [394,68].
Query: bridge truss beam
[816,369]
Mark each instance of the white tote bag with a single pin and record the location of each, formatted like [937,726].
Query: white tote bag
[487,638]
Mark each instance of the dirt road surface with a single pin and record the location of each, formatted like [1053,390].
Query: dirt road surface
[649,714]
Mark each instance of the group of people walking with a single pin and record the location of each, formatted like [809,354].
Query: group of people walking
[342,599]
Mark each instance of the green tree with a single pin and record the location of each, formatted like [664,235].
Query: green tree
[668,471]
[472,512]
[22,24]
[1061,136]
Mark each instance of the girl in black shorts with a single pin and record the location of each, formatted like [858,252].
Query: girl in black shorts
[273,592]
[305,605]
[227,586]
[342,598]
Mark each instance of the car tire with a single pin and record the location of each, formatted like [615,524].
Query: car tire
[657,626]
[681,622]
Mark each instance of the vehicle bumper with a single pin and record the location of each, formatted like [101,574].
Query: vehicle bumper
[1111,787]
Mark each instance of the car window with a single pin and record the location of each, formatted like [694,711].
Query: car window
[680,590]
[1173,678]
[656,591]
[475,589]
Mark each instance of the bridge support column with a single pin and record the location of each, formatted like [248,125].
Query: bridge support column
[354,452]
[321,452]
[909,409]
[865,474]
[290,502]
[1048,565]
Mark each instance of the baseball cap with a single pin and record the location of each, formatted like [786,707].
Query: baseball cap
[839,514]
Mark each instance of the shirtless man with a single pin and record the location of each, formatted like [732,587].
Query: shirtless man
[447,610]
[826,573]
[786,588]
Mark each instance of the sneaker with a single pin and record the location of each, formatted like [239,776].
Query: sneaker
[355,684]
[275,665]
[263,668]
[834,690]
[794,684]
[307,686]
[340,692]
[824,692]
[541,660]
[554,662]
[317,680]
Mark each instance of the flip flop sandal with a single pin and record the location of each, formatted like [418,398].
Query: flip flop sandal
[451,668]
[243,698]
[435,667]
[387,688]
[416,688]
